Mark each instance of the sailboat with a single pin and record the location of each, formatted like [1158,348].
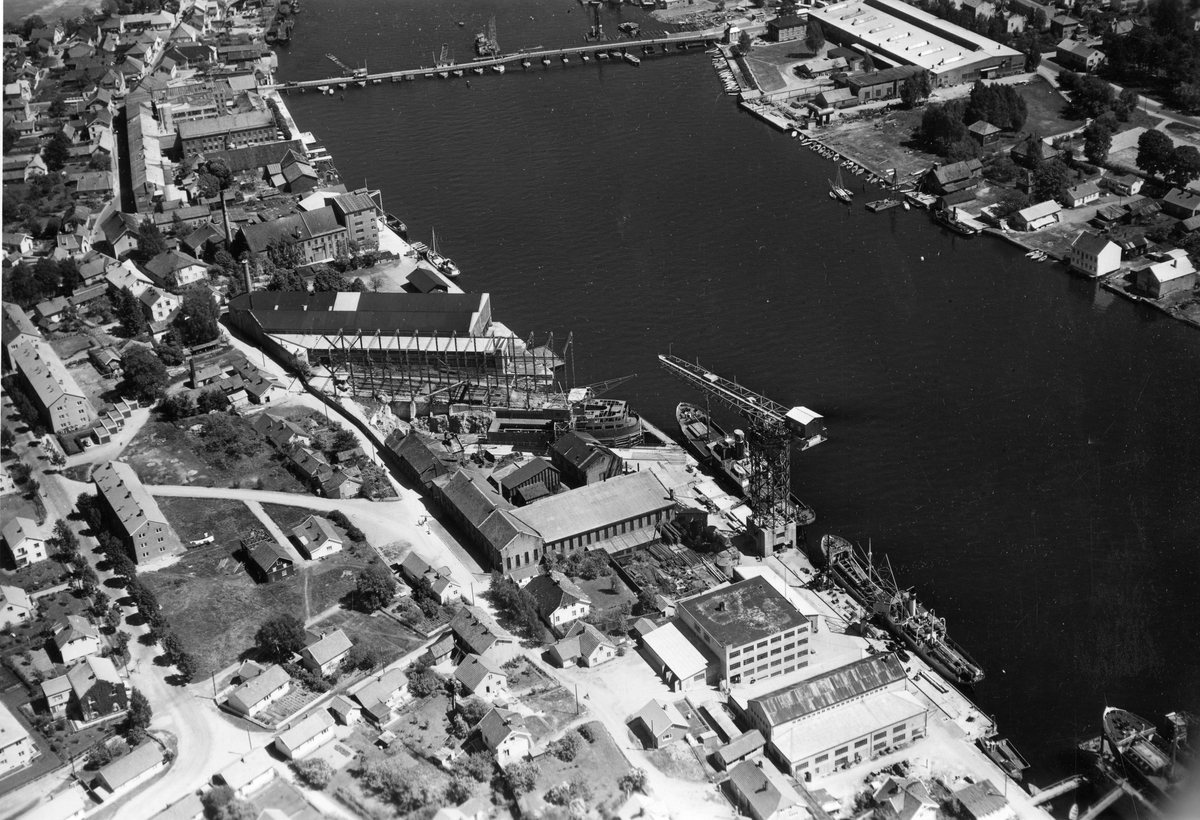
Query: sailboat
[838,191]
[440,262]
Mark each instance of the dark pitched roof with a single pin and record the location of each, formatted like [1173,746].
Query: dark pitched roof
[266,554]
[470,499]
[529,470]
[475,628]
[554,591]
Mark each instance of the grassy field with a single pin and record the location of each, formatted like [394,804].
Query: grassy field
[553,710]
[390,638]
[524,675]
[600,764]
[162,453]
[1047,110]
[676,760]
[212,603]
[607,593]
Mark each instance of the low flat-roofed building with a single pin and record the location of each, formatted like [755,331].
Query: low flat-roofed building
[847,734]
[676,659]
[754,631]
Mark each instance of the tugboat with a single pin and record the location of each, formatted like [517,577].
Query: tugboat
[728,455]
[949,218]
[900,612]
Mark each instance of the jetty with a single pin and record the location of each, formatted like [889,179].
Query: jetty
[683,41]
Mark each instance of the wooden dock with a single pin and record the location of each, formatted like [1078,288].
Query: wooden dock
[680,42]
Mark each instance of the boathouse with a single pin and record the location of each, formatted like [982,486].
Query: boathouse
[1036,217]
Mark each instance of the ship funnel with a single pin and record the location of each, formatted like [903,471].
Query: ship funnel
[911,606]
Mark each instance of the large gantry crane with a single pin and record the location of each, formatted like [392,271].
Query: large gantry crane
[773,430]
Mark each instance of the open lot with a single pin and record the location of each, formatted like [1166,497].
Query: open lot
[347,787]
[523,675]
[600,764]
[162,453]
[212,603]
[1046,110]
[607,593]
[391,639]
[552,710]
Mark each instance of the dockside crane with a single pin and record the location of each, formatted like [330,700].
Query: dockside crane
[773,431]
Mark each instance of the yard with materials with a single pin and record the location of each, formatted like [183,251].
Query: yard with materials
[162,453]
[214,605]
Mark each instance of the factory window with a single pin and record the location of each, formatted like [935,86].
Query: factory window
[802,765]
[860,743]
[898,729]
[898,738]
[788,669]
[776,638]
[527,558]
[841,761]
[735,653]
[880,735]
[820,758]
[842,750]
[776,651]
[790,646]
[762,657]
[776,662]
[789,658]
[735,665]
[762,644]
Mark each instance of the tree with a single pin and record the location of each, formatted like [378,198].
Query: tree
[198,316]
[745,43]
[344,440]
[57,152]
[285,253]
[140,713]
[177,406]
[473,709]
[8,439]
[1185,165]
[187,666]
[145,375]
[219,168]
[522,776]
[327,280]
[150,241]
[567,747]
[1186,97]
[1155,152]
[280,637]
[64,540]
[814,37]
[128,310]
[1090,96]
[211,400]
[1050,180]
[1097,140]
[100,755]
[634,780]
[407,788]
[1012,202]
[286,279]
[374,588]
[314,772]
[478,766]
[916,89]
[1127,103]
[362,656]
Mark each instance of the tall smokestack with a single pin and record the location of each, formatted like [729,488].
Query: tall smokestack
[246,275]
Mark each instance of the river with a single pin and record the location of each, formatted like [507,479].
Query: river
[1020,443]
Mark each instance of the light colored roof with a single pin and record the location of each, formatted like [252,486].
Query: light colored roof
[1082,190]
[74,629]
[20,528]
[816,694]
[330,647]
[595,506]
[475,668]
[382,688]
[90,670]
[845,723]
[1172,269]
[209,126]
[44,371]
[15,597]
[255,689]
[246,769]
[740,746]
[11,729]
[676,651]
[316,530]
[659,716]
[123,491]
[307,729]
[1040,210]
[56,686]
[981,799]
[124,769]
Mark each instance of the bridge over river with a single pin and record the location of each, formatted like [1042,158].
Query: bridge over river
[681,41]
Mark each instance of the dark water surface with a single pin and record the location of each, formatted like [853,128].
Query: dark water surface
[1022,444]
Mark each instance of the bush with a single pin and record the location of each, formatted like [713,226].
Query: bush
[522,776]
[473,709]
[567,747]
[479,766]
[352,532]
[588,732]
[633,781]
[315,773]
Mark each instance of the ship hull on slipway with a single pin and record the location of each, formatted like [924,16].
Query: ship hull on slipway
[610,422]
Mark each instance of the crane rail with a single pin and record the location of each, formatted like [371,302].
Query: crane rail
[741,399]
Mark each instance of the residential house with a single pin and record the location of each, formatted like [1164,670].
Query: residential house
[129,771]
[416,570]
[247,774]
[76,638]
[558,600]
[1082,194]
[281,432]
[953,177]
[26,541]
[906,799]
[660,723]
[784,29]
[1095,255]
[21,243]
[1076,56]
[982,9]
[1036,217]
[481,676]
[134,513]
[1062,26]
[764,794]
[477,808]
[324,654]
[1033,151]
[16,607]
[119,231]
[17,747]
[60,400]
[1173,272]
[475,631]
[50,311]
[267,561]
[982,801]
[57,694]
[984,133]
[317,234]
[306,736]
[1122,184]
[504,734]
[259,692]
[341,483]
[1182,204]
[174,270]
[158,305]
[317,538]
[96,689]
[583,645]
[382,694]
[126,275]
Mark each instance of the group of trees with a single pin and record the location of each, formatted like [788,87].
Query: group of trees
[1093,97]
[1163,51]
[27,284]
[1158,155]
[144,375]
[517,605]
[374,587]
[944,126]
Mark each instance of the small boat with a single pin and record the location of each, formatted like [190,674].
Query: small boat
[461,24]
[585,58]
[445,75]
[477,70]
[838,191]
[377,80]
[601,55]
[341,85]
[949,218]
[566,59]
[545,61]
[499,69]
[526,63]
[629,58]
[458,72]
[1004,755]
[361,83]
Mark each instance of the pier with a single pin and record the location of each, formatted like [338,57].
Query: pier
[682,41]
[1051,792]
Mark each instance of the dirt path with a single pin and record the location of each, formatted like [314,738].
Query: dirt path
[280,537]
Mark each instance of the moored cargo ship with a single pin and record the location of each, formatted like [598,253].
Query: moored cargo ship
[900,612]
[726,454]
[1135,742]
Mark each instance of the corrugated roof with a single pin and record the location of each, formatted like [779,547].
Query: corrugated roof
[794,702]
[596,506]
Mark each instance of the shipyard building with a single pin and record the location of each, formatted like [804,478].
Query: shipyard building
[906,36]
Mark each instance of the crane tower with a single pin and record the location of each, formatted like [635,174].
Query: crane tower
[773,430]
